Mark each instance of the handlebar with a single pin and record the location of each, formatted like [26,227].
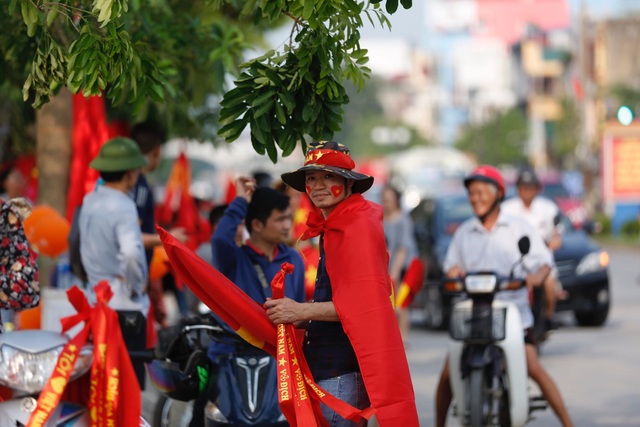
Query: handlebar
[481,282]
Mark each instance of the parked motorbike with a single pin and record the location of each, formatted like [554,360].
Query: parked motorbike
[241,384]
[27,360]
[487,361]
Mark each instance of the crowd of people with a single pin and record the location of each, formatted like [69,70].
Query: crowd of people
[350,256]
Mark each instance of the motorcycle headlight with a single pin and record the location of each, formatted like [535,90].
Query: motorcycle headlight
[480,284]
[593,262]
[29,372]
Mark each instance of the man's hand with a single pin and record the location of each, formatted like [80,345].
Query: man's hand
[180,234]
[555,242]
[537,278]
[245,187]
[283,310]
[455,272]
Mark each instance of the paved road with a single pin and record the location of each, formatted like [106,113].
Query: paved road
[596,368]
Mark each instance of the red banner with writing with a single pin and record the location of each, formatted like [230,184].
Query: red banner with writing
[111,371]
[298,394]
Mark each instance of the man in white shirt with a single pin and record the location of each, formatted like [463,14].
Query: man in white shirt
[489,241]
[541,213]
[111,242]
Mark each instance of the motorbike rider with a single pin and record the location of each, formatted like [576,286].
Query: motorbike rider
[488,242]
[541,214]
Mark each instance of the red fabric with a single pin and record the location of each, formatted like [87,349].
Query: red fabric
[112,377]
[179,208]
[231,192]
[411,283]
[88,133]
[27,167]
[298,394]
[356,259]
[221,295]
[311,257]
[328,157]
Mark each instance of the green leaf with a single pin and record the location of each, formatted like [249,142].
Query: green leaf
[263,109]
[308,9]
[261,99]
[229,114]
[280,114]
[234,97]
[391,6]
[272,151]
[232,131]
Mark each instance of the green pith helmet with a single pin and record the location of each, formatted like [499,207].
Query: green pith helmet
[117,155]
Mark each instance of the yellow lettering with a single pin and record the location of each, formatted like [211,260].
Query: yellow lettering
[39,418]
[112,389]
[48,401]
[65,364]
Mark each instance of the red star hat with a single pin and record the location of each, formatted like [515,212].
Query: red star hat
[328,156]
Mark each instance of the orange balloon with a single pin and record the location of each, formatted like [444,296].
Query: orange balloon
[159,266]
[47,231]
[30,318]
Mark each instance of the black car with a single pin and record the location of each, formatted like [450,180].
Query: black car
[581,263]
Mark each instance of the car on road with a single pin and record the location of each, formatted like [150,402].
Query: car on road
[582,264]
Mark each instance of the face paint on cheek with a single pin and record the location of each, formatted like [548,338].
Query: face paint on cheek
[337,190]
[308,188]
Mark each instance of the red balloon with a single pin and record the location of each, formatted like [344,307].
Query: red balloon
[47,231]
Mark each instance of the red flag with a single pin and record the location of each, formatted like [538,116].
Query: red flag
[89,132]
[362,297]
[112,376]
[231,192]
[222,296]
[411,283]
[179,208]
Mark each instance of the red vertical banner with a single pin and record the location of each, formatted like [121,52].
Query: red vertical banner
[89,132]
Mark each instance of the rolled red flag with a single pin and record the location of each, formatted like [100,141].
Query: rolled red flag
[221,295]
[412,282]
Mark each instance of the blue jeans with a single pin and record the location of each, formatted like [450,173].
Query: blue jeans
[350,388]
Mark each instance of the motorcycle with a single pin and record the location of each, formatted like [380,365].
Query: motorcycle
[240,386]
[27,360]
[487,358]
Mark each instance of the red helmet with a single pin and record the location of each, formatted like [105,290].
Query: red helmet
[488,174]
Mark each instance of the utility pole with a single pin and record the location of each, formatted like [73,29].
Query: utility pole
[584,150]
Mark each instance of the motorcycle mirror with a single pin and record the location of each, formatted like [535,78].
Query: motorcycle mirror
[524,244]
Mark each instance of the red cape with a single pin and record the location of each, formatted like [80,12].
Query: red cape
[357,260]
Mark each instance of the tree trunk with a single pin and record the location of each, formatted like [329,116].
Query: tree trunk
[53,150]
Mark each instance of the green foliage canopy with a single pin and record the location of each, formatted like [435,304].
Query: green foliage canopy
[169,56]
[500,140]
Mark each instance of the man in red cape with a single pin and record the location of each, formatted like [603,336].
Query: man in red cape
[352,332]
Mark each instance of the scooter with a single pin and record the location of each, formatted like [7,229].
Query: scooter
[241,385]
[487,361]
[27,360]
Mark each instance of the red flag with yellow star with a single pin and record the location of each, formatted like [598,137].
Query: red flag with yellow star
[411,283]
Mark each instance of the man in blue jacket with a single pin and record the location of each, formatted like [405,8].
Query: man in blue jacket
[266,215]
